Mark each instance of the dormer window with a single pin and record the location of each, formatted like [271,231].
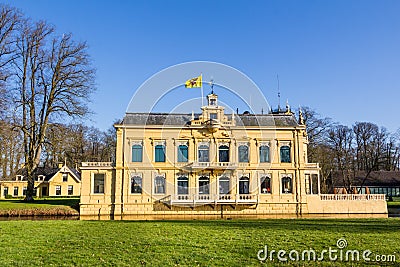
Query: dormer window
[20,177]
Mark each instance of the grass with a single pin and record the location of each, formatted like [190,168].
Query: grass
[51,207]
[188,243]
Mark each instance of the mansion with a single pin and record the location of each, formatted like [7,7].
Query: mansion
[212,165]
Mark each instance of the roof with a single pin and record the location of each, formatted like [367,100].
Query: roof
[175,119]
[376,178]
[48,172]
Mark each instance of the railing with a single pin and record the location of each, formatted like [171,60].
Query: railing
[97,164]
[214,165]
[351,197]
[211,198]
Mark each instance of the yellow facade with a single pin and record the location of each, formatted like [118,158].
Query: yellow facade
[62,182]
[209,165]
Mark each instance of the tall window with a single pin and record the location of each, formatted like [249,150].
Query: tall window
[15,191]
[204,153]
[70,190]
[159,153]
[286,185]
[5,192]
[137,153]
[223,153]
[204,185]
[24,189]
[314,183]
[224,185]
[308,184]
[265,185]
[243,153]
[98,183]
[159,185]
[264,153]
[183,185]
[65,177]
[244,185]
[136,184]
[285,154]
[58,190]
[182,153]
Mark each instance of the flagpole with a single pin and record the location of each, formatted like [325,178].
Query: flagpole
[202,96]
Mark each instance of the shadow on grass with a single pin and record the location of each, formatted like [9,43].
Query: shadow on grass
[70,202]
[341,225]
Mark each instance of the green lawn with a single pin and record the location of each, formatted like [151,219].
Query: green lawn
[189,243]
[50,206]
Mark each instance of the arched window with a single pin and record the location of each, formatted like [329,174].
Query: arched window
[264,153]
[159,153]
[223,153]
[203,153]
[183,185]
[224,185]
[285,154]
[244,185]
[243,153]
[137,152]
[204,185]
[136,185]
[159,185]
[265,185]
[286,185]
[182,153]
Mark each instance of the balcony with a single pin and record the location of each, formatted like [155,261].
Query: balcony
[214,165]
[197,200]
[352,197]
[97,164]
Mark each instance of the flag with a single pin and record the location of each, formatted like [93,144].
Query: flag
[194,82]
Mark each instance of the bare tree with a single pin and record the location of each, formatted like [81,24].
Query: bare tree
[340,139]
[55,80]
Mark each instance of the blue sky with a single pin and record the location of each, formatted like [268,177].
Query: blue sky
[341,58]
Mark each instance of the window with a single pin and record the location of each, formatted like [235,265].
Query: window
[265,185]
[213,116]
[308,184]
[58,190]
[98,183]
[286,185]
[314,183]
[243,153]
[244,185]
[223,153]
[137,153]
[24,189]
[70,190]
[264,153]
[224,185]
[5,191]
[20,177]
[159,153]
[182,153]
[159,185]
[204,185]
[285,154]
[65,177]
[204,153]
[41,178]
[183,185]
[136,184]
[15,191]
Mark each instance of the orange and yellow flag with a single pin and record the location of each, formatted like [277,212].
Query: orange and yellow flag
[194,82]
